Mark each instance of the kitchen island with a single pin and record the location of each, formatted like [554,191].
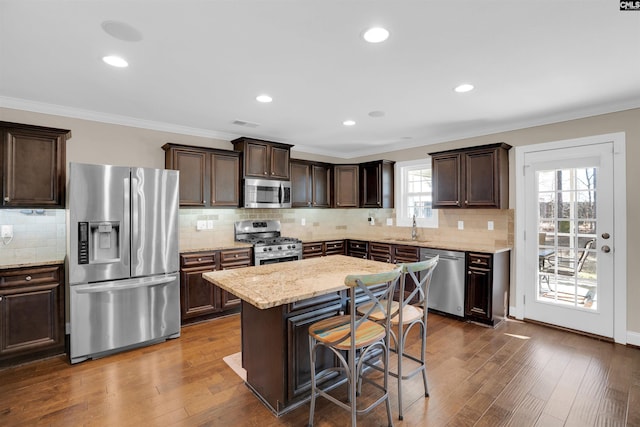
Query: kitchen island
[279,302]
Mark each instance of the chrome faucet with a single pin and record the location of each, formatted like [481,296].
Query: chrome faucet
[414,229]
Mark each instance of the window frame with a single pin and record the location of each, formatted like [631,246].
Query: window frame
[401,169]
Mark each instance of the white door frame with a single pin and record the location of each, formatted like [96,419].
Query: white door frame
[619,218]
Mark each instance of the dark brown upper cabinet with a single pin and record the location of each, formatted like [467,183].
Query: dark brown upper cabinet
[475,177]
[346,186]
[33,166]
[376,184]
[310,184]
[264,159]
[208,177]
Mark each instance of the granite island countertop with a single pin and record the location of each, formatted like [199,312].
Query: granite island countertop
[271,285]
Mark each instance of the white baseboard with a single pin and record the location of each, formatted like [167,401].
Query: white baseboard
[633,338]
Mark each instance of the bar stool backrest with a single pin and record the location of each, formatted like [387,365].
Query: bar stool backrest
[420,273]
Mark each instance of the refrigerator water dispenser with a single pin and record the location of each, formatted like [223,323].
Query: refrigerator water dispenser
[104,242]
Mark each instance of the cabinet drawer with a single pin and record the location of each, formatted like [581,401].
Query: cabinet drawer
[29,276]
[197,259]
[234,257]
[310,250]
[479,260]
[407,253]
[358,245]
[334,247]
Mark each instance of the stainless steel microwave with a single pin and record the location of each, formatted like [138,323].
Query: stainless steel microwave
[267,193]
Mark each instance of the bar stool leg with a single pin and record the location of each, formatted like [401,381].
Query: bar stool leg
[312,359]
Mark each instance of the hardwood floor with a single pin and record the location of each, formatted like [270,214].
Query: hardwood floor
[519,374]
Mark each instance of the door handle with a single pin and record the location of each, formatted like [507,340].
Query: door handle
[606,249]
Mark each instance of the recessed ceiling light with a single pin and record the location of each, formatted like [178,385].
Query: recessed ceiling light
[115,61]
[264,98]
[349,122]
[121,31]
[465,87]
[376,35]
[376,113]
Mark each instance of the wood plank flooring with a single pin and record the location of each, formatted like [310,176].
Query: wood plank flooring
[519,374]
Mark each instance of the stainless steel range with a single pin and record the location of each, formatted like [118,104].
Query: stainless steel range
[268,246]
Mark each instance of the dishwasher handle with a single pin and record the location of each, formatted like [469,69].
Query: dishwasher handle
[125,284]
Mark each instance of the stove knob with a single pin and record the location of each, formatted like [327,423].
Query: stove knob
[270,248]
[289,246]
[279,248]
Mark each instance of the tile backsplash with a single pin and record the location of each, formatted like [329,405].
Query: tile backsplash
[324,224]
[38,236]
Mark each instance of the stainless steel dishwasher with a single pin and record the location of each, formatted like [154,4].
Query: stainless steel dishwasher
[446,290]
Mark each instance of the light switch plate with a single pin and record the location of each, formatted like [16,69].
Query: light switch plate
[210,224]
[201,224]
[460,225]
[489,225]
[389,221]
[303,221]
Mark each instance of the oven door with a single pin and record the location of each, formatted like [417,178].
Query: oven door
[266,261]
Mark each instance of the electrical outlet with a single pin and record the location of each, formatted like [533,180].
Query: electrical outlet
[460,225]
[303,221]
[489,225]
[389,221]
[201,224]
[372,221]
[210,224]
[7,231]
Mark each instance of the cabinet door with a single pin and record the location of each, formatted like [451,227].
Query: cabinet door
[279,162]
[192,167]
[299,365]
[447,181]
[380,252]
[256,161]
[300,185]
[346,186]
[31,314]
[478,296]
[481,179]
[197,295]
[321,182]
[34,168]
[233,258]
[225,178]
[370,186]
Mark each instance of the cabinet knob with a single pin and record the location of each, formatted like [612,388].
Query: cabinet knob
[199,259]
[468,272]
[7,199]
[265,172]
[235,256]
[28,278]
[0,298]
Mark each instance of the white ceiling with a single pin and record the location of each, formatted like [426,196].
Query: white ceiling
[200,65]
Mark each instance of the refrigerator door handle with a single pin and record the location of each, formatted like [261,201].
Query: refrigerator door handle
[124,284]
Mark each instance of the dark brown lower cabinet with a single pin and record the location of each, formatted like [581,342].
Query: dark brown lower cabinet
[32,302]
[487,285]
[358,248]
[231,258]
[197,296]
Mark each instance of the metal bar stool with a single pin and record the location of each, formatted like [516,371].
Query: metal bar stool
[357,336]
[413,312]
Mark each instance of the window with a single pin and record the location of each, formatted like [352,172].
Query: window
[414,194]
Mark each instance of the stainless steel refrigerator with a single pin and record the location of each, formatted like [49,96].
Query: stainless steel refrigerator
[123,261]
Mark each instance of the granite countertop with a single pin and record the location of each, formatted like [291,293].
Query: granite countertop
[218,246]
[271,285]
[462,247]
[32,264]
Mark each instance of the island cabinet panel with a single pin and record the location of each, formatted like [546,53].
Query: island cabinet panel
[264,159]
[486,296]
[33,166]
[197,296]
[32,307]
[299,364]
[346,187]
[358,248]
[476,177]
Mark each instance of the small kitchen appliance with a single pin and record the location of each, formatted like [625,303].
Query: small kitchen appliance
[123,258]
[268,246]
